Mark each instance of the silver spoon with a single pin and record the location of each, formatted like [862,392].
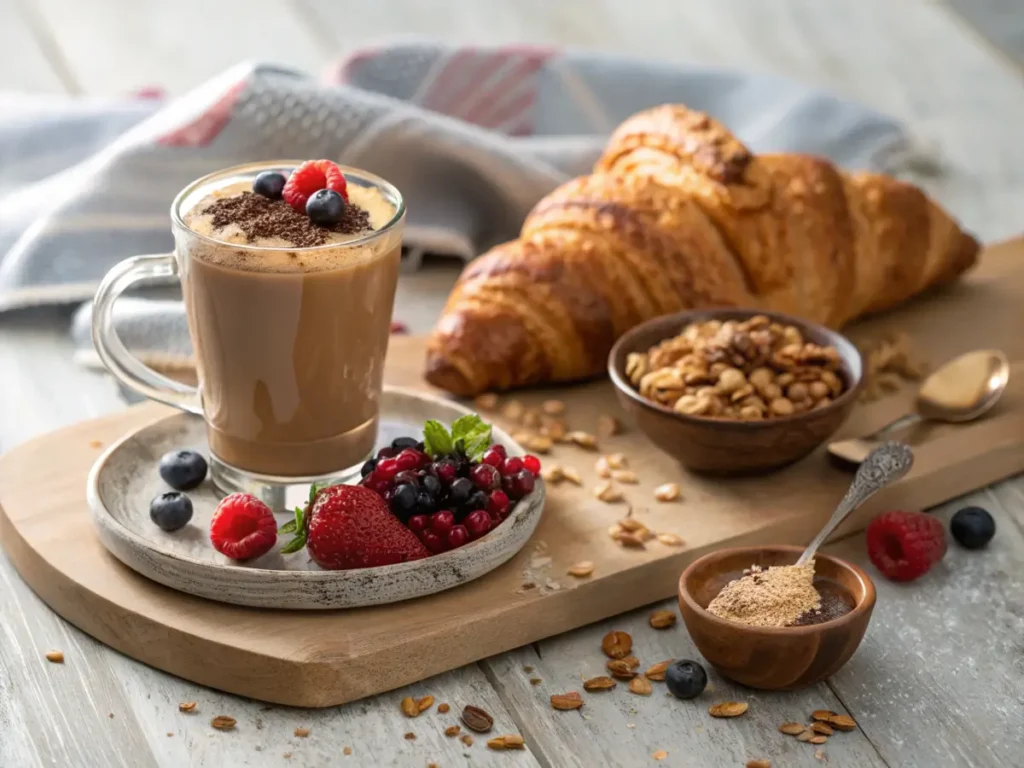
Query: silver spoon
[961,390]
[883,466]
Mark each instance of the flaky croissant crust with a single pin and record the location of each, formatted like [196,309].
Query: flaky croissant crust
[678,215]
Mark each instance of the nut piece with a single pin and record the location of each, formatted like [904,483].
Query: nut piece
[728,709]
[552,473]
[553,407]
[660,754]
[667,492]
[509,741]
[539,444]
[55,657]
[476,719]
[572,475]
[656,672]
[670,540]
[641,686]
[608,426]
[602,467]
[621,669]
[443,708]
[301,732]
[625,476]
[452,730]
[513,410]
[627,539]
[607,492]
[582,439]
[792,729]
[662,619]
[187,706]
[424,704]
[581,569]
[617,645]
[488,401]
[601,683]
[566,701]
[821,728]
[223,723]
[409,707]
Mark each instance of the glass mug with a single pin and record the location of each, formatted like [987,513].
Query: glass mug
[289,341]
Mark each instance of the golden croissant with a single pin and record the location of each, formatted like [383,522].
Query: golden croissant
[680,215]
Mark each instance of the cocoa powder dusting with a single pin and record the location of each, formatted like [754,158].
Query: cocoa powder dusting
[775,597]
[259,217]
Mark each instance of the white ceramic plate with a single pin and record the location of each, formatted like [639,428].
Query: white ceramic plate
[125,479]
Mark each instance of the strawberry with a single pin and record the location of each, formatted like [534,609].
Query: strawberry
[349,526]
[243,527]
[310,177]
[905,545]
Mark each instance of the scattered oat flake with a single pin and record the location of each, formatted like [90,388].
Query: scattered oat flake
[187,706]
[728,709]
[657,671]
[410,736]
[641,686]
[661,754]
[409,707]
[223,723]
[662,619]
[302,732]
[432,765]
[527,668]
[805,735]
[819,754]
[792,729]
[347,751]
[821,728]
[582,569]
[287,755]
[466,739]
[759,764]
[452,730]
[601,683]
[617,645]
[567,701]
[670,540]
[842,722]
[55,657]
[667,492]
[508,741]
[443,708]
[170,733]
[535,681]
[818,739]
[822,714]
[95,443]
[621,669]
[425,703]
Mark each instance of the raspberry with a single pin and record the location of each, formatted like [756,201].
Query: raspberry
[243,527]
[310,177]
[905,545]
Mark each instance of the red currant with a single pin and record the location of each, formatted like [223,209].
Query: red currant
[512,465]
[485,477]
[387,469]
[421,457]
[477,523]
[419,523]
[494,457]
[523,482]
[532,463]
[433,542]
[457,536]
[497,505]
[407,459]
[377,484]
[441,521]
[446,471]
[499,448]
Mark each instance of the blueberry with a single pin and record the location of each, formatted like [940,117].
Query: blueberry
[425,505]
[404,500]
[973,527]
[401,443]
[686,679]
[431,485]
[386,452]
[171,510]
[182,470]
[477,500]
[368,467]
[461,490]
[325,207]
[269,184]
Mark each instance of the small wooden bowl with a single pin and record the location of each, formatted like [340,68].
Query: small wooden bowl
[725,446]
[772,659]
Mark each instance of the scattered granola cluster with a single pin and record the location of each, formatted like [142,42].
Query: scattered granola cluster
[747,371]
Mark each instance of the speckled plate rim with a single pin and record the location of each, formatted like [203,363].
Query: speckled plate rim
[303,590]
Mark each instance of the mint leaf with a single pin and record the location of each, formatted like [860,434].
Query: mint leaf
[297,525]
[436,439]
[295,544]
[288,527]
[472,435]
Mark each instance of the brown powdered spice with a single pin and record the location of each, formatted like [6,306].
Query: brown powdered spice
[259,216]
[768,598]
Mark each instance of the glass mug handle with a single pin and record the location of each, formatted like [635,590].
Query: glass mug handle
[112,352]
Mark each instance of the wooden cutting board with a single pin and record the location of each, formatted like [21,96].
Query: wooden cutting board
[328,658]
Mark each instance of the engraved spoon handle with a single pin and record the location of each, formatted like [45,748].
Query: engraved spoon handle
[904,421]
[884,465]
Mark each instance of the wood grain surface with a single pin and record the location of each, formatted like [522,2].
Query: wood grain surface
[962,100]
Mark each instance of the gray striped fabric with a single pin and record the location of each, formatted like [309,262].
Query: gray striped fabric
[472,136]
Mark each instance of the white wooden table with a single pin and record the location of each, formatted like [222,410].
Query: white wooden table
[939,680]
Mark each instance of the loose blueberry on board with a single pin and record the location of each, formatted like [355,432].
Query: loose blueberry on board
[269,184]
[686,679]
[183,470]
[325,207]
[972,527]
[170,511]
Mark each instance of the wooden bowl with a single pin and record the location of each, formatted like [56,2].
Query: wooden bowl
[769,658]
[723,446]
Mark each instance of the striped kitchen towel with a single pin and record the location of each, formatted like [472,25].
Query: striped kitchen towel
[472,136]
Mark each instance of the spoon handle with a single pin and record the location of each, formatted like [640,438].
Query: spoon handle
[904,421]
[884,465]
